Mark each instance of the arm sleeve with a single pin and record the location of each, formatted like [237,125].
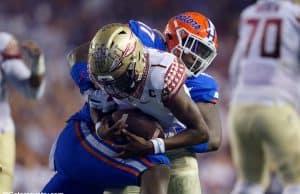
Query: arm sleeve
[174,79]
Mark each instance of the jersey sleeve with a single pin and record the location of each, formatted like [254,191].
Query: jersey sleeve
[5,38]
[173,80]
[149,37]
[79,73]
[12,63]
[203,88]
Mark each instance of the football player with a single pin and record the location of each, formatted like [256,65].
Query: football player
[29,81]
[85,163]
[264,72]
[153,84]
[192,35]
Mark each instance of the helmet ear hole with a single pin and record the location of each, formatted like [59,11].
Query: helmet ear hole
[169,36]
[122,32]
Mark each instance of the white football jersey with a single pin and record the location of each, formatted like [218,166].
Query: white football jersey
[265,65]
[163,79]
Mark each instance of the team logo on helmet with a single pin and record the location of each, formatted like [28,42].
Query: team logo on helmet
[130,48]
[192,37]
[189,20]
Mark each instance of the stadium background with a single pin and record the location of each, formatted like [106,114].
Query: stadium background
[58,26]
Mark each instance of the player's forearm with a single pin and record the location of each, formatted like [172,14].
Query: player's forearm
[34,57]
[186,111]
[78,54]
[35,86]
[215,139]
[187,138]
[212,119]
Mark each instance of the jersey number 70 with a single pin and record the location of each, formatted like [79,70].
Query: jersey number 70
[269,38]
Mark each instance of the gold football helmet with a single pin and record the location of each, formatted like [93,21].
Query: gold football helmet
[116,59]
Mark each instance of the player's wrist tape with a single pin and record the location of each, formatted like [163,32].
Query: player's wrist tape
[158,145]
[38,65]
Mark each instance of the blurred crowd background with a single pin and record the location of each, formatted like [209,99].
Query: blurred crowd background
[58,26]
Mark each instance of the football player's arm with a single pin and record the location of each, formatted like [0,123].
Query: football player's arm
[204,92]
[78,54]
[103,121]
[77,60]
[212,119]
[185,110]
[28,81]
[99,105]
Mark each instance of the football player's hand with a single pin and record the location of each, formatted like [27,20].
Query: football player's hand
[137,146]
[31,48]
[106,132]
[33,55]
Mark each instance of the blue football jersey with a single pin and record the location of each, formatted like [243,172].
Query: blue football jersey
[82,115]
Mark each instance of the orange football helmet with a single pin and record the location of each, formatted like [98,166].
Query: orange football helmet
[192,37]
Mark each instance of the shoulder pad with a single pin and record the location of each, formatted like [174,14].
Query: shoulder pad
[147,35]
